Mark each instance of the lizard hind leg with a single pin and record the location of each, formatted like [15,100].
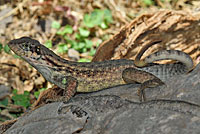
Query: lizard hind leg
[133,75]
[150,83]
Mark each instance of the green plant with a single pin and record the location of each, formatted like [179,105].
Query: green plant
[48,44]
[84,60]
[37,93]
[55,25]
[16,56]
[1,47]
[81,41]
[98,17]
[5,105]
[62,48]
[5,48]
[21,99]
[4,102]
[66,30]
[148,2]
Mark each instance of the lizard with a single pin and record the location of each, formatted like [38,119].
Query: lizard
[75,77]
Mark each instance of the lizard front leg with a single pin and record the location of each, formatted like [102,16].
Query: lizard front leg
[133,75]
[69,85]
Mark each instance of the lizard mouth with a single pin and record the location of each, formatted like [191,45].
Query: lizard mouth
[20,47]
[15,48]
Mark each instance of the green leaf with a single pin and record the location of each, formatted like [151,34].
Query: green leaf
[108,16]
[60,32]
[148,2]
[4,102]
[73,43]
[93,19]
[6,49]
[48,44]
[14,91]
[84,32]
[81,45]
[88,43]
[16,56]
[78,36]
[21,99]
[76,47]
[98,17]
[92,52]
[67,30]
[64,81]
[26,93]
[88,21]
[62,48]
[37,93]
[55,25]
[1,47]
[15,115]
[84,50]
[103,25]
[84,60]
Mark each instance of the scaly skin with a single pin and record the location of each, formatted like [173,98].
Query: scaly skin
[88,77]
[163,54]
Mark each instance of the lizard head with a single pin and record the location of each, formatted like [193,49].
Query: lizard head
[35,53]
[29,49]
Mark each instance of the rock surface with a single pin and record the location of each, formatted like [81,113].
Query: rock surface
[172,108]
[4,91]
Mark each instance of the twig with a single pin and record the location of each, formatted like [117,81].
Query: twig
[13,11]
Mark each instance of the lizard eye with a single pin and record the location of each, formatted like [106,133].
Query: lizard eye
[25,46]
[37,50]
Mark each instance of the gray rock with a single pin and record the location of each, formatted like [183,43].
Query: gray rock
[4,91]
[173,108]
[6,20]
[73,54]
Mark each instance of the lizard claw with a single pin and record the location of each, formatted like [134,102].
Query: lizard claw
[141,94]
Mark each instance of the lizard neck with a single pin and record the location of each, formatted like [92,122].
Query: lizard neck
[49,58]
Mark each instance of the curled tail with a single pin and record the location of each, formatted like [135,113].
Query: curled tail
[171,55]
[180,56]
